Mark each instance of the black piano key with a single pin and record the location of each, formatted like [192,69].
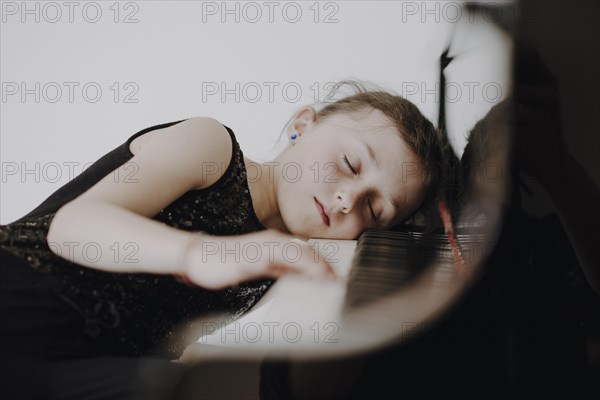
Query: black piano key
[386,261]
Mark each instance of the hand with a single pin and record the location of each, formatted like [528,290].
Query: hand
[217,262]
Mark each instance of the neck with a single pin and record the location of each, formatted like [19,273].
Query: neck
[263,190]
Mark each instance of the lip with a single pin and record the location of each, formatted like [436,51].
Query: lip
[322,212]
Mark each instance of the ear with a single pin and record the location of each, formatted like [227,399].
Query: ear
[301,121]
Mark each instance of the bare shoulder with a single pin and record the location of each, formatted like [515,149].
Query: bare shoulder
[202,143]
[192,154]
[195,124]
[205,131]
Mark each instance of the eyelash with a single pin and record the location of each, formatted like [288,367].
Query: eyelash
[355,173]
[350,166]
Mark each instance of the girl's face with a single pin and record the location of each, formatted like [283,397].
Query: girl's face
[355,166]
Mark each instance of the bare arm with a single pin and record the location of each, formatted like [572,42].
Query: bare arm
[108,227]
[103,236]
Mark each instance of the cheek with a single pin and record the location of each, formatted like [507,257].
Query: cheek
[416,197]
[293,199]
[287,196]
[350,229]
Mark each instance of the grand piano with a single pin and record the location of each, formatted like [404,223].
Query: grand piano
[396,286]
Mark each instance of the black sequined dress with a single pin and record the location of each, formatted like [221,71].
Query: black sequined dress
[53,308]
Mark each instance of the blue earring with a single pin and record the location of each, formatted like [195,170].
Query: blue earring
[293,136]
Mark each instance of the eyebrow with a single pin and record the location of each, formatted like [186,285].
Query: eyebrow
[373,159]
[370,152]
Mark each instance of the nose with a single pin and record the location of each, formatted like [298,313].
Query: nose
[346,199]
[343,203]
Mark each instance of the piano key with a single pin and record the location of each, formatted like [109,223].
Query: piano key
[386,261]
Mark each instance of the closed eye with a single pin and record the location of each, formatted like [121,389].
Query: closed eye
[355,173]
[349,165]
[372,212]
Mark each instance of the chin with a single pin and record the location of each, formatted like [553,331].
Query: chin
[299,233]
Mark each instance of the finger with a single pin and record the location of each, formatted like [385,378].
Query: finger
[302,257]
[316,260]
[277,270]
[318,269]
[324,270]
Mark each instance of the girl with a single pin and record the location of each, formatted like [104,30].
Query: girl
[112,263]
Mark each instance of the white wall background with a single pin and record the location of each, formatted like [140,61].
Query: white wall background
[165,59]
